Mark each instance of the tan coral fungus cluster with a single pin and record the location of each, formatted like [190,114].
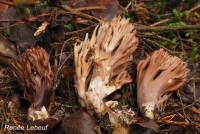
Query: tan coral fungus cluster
[102,62]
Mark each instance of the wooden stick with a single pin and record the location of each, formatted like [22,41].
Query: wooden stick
[166,28]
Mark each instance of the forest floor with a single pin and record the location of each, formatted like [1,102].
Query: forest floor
[173,25]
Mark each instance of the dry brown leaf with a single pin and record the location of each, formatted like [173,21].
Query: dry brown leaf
[21,34]
[3,7]
[119,129]
[7,48]
[112,7]
[80,122]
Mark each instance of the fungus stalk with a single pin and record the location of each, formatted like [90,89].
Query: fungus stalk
[158,75]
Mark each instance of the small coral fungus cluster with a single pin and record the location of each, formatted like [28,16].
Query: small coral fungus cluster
[101,66]
[33,72]
[158,75]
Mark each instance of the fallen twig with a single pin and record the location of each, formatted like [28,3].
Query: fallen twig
[81,30]
[8,3]
[169,120]
[90,8]
[178,123]
[161,22]
[188,106]
[195,8]
[78,13]
[166,28]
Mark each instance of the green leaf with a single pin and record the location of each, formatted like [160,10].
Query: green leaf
[69,27]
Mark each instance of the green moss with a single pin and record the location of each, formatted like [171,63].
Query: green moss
[6,33]
[194,54]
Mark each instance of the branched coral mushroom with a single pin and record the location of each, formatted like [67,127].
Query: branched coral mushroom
[102,61]
[33,72]
[158,75]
